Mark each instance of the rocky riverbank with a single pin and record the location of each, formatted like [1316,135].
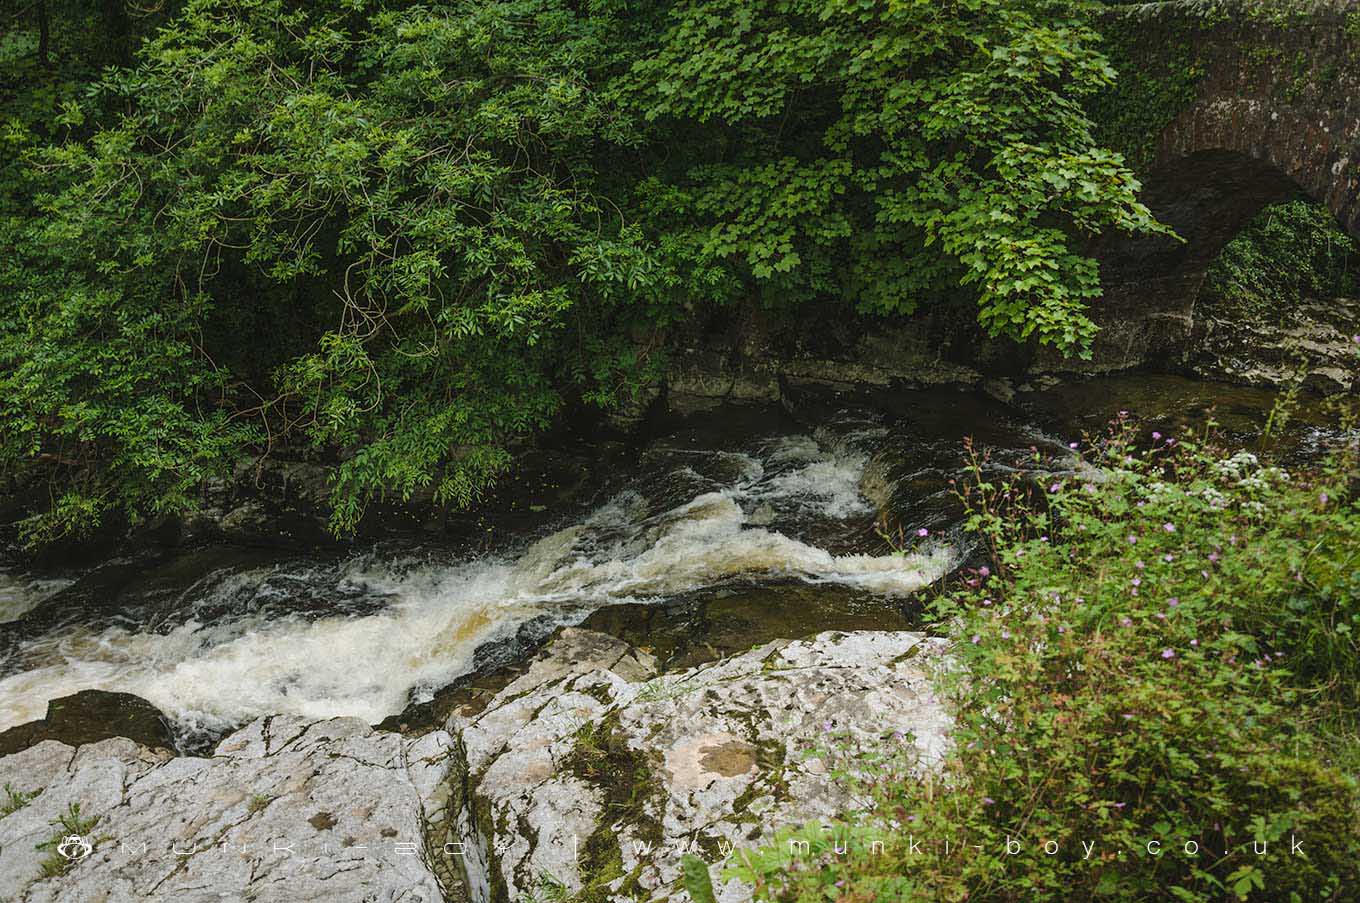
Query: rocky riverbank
[750,358]
[589,773]
[283,809]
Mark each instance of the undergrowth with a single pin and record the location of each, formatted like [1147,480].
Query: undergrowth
[1155,692]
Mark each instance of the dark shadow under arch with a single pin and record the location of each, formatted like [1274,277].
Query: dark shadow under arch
[1151,283]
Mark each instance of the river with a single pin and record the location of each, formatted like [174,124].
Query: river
[720,530]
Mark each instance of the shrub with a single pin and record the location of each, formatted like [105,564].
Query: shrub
[1150,679]
[1289,252]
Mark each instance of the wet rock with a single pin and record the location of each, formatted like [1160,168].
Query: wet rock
[90,716]
[1001,389]
[632,412]
[248,520]
[588,774]
[728,621]
[1310,343]
[284,810]
[702,381]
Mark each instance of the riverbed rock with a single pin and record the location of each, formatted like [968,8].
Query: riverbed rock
[90,716]
[1311,342]
[284,810]
[592,772]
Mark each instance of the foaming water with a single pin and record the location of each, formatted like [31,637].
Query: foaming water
[806,475]
[414,625]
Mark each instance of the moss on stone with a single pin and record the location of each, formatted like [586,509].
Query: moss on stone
[461,798]
[602,757]
[1152,88]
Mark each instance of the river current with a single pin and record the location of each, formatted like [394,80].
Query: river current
[746,504]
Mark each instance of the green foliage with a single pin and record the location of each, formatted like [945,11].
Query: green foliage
[1168,654]
[1159,74]
[408,238]
[16,799]
[1289,252]
[846,145]
[429,167]
[698,884]
[54,864]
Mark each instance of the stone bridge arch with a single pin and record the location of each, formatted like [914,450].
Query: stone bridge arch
[1275,115]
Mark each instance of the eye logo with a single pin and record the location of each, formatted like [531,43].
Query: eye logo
[74,847]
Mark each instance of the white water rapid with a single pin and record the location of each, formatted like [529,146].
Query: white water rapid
[429,617]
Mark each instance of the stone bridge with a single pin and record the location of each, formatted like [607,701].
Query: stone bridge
[1275,114]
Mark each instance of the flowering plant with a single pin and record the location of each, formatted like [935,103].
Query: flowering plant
[1155,695]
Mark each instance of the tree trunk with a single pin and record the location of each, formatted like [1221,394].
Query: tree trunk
[44,36]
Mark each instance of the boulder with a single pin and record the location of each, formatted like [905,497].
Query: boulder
[591,774]
[284,810]
[90,716]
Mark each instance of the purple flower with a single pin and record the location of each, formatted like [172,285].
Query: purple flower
[1322,497]
[988,801]
[1169,527]
[1005,634]
[1194,642]
[1173,601]
[1072,445]
[984,571]
[1137,581]
[1128,716]
[923,532]
[1055,487]
[1159,616]
[1168,653]
[1156,435]
[1168,557]
[976,639]
[1133,540]
[1125,621]
[1213,556]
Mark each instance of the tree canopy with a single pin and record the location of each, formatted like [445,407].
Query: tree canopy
[409,236]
